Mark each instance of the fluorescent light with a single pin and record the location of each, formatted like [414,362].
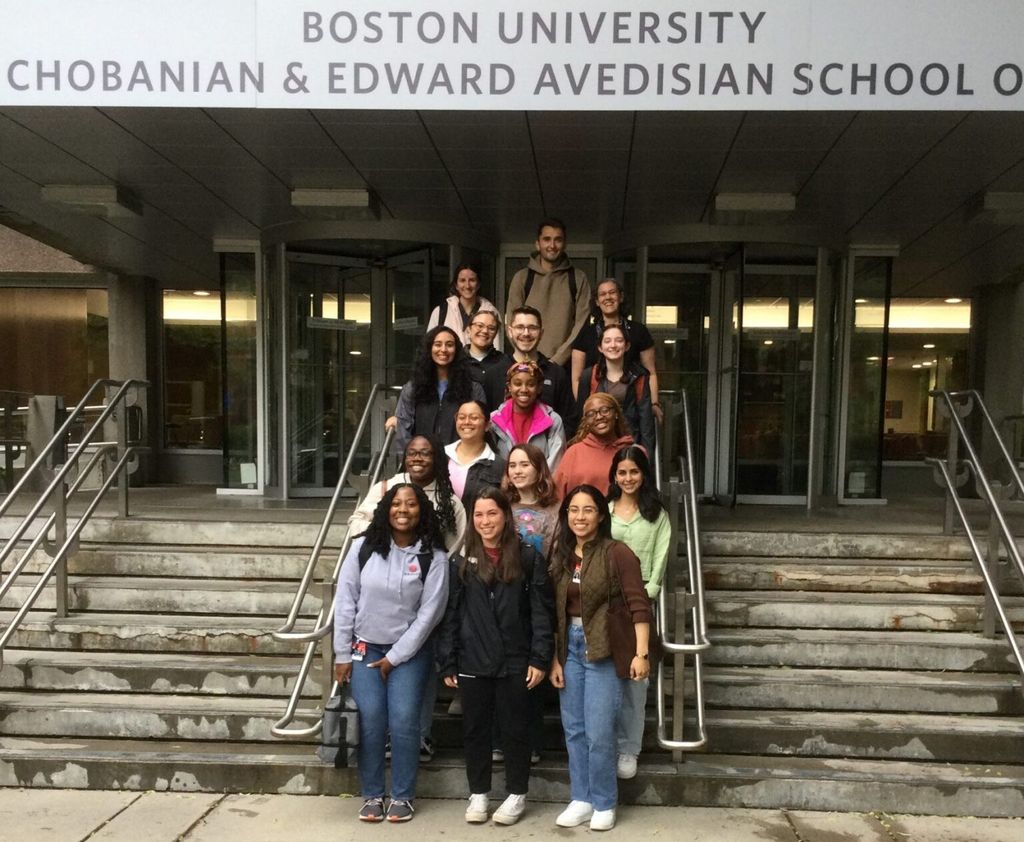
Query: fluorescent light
[874,359]
[860,301]
[670,342]
[108,200]
[916,365]
[356,353]
[953,300]
[927,363]
[202,293]
[769,342]
[928,346]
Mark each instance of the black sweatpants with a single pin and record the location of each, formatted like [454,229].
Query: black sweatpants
[507,702]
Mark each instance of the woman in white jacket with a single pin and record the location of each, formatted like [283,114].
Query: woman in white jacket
[463,302]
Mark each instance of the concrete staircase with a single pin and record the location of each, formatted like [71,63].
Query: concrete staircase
[846,674]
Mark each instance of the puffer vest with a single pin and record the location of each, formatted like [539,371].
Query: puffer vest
[597,586]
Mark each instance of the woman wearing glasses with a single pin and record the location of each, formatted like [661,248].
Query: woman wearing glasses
[463,302]
[628,382]
[602,433]
[590,572]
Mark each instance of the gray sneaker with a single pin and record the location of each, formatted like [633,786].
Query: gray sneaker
[372,810]
[399,810]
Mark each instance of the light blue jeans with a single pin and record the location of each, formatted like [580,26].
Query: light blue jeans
[590,705]
[389,706]
[630,726]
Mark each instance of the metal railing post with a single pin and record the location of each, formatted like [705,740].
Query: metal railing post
[60,531]
[952,452]
[327,645]
[121,418]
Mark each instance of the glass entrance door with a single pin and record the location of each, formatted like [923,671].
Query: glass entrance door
[773,398]
[329,366]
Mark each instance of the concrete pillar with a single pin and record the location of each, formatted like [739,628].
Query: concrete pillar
[998,316]
[127,337]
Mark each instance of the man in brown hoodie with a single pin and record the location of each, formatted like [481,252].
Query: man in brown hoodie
[560,291]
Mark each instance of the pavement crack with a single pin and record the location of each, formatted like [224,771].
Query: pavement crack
[109,819]
[792,826]
[202,818]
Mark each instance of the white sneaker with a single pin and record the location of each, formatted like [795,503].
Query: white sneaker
[626,766]
[603,819]
[476,812]
[511,810]
[575,814]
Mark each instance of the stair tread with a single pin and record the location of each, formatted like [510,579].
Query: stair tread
[175,704]
[762,597]
[212,622]
[170,660]
[878,721]
[925,679]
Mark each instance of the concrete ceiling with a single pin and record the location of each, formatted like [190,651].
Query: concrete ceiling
[902,179]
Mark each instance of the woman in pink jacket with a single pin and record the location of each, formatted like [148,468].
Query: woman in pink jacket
[523,419]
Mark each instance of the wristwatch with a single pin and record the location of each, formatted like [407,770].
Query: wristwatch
[643,657]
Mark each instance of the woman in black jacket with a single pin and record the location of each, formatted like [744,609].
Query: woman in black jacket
[441,383]
[496,644]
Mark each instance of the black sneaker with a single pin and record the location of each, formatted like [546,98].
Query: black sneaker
[426,748]
[400,811]
[372,810]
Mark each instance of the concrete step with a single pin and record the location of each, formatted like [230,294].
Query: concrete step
[856,575]
[912,612]
[833,545]
[128,672]
[895,736]
[143,717]
[863,690]
[859,649]
[703,780]
[213,597]
[151,633]
[274,529]
[189,562]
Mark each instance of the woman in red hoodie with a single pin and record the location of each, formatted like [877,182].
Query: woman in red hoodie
[588,459]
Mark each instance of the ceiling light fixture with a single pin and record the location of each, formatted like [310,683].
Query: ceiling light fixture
[202,293]
[928,346]
[752,208]
[329,203]
[110,201]
[954,301]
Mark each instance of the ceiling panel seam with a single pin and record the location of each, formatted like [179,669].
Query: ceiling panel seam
[246,150]
[447,172]
[536,166]
[831,148]
[721,169]
[352,164]
[909,170]
[629,170]
[181,169]
[959,259]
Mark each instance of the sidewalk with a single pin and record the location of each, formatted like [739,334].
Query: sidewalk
[98,816]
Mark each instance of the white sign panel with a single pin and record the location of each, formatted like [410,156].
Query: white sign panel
[464,54]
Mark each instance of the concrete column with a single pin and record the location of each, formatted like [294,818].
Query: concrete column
[999,353]
[129,352]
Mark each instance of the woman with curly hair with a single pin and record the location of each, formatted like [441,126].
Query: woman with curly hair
[600,435]
[426,465]
[392,593]
[640,521]
[441,383]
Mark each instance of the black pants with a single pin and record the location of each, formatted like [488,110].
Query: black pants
[507,702]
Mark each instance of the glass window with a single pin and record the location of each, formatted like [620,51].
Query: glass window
[191,333]
[928,349]
[238,278]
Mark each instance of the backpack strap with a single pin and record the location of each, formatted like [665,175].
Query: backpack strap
[425,558]
[528,285]
[573,289]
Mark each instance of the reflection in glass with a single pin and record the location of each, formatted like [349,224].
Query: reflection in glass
[867,376]
[238,282]
[191,327]
[774,395]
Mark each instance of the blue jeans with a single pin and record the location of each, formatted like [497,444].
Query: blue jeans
[630,727]
[391,706]
[590,705]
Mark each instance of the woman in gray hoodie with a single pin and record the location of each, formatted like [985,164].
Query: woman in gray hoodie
[392,592]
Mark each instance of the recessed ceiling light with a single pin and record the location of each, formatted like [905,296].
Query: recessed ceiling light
[916,365]
[860,301]
[927,363]
[928,345]
[670,342]
[356,353]
[202,293]
[954,300]
[873,359]
[769,342]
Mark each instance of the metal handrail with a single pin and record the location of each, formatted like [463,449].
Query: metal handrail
[323,626]
[59,493]
[998,524]
[695,600]
[324,622]
[284,632]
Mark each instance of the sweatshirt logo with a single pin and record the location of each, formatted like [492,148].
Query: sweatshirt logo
[413,568]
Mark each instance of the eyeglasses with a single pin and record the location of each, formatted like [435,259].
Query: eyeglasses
[419,454]
[484,326]
[581,510]
[526,328]
[600,412]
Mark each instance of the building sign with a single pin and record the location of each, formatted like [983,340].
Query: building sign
[557,55]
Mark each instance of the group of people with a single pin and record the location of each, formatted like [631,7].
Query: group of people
[525,515]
